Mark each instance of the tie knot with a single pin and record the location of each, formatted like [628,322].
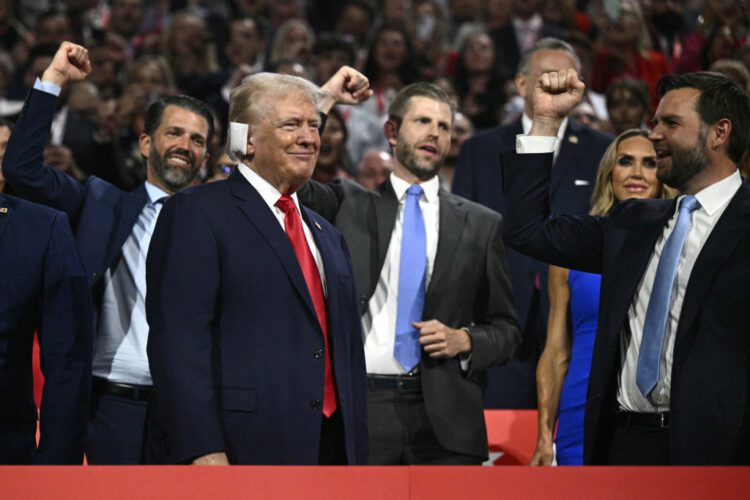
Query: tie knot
[689,203]
[286,204]
[415,190]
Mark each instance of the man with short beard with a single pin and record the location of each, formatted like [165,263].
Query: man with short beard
[669,371]
[436,302]
[113,230]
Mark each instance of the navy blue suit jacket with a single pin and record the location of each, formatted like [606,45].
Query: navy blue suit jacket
[102,215]
[709,403]
[235,347]
[44,289]
[479,178]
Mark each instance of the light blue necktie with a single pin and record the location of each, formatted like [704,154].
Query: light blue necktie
[657,314]
[411,281]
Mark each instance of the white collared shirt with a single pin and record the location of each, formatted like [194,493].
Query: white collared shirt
[271,195]
[527,31]
[714,200]
[120,348]
[379,322]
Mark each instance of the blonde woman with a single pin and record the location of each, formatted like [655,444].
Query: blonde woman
[627,170]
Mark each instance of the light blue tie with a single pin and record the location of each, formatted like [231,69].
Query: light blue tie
[411,281]
[657,314]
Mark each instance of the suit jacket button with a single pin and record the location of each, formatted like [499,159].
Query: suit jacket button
[363,300]
[94,276]
[316,405]
[318,353]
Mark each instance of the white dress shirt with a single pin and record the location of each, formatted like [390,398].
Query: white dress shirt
[120,349]
[714,200]
[271,195]
[527,31]
[379,322]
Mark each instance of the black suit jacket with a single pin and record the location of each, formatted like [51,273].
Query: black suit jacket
[479,178]
[44,289]
[506,43]
[709,404]
[469,288]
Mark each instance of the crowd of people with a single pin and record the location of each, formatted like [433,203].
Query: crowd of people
[352,263]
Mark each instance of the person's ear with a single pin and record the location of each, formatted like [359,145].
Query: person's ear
[144,144]
[720,133]
[390,128]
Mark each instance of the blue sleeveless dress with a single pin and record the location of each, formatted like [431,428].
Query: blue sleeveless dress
[584,307]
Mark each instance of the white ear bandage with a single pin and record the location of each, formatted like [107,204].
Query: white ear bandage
[237,138]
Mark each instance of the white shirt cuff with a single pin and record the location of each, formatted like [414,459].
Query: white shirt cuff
[49,87]
[527,144]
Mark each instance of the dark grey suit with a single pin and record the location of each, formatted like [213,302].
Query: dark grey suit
[469,288]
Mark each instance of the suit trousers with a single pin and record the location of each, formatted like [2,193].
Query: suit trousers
[639,445]
[18,442]
[332,441]
[116,430]
[401,433]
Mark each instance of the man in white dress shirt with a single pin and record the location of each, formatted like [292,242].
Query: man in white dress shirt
[669,380]
[435,300]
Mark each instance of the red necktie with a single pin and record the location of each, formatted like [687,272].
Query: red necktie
[293,226]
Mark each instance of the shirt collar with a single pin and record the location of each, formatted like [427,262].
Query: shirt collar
[715,196]
[526,124]
[430,188]
[534,22]
[267,191]
[155,193]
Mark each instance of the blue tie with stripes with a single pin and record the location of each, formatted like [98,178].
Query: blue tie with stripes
[657,313]
[411,281]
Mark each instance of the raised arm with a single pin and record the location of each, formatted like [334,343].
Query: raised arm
[23,164]
[346,86]
[553,365]
[573,242]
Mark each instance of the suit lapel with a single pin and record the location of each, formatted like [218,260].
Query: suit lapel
[132,205]
[258,213]
[6,210]
[730,229]
[325,243]
[386,210]
[451,226]
[633,258]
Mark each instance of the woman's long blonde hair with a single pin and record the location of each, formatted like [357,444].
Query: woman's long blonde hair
[603,198]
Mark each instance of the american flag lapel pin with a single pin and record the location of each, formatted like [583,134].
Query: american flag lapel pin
[573,139]
[3,210]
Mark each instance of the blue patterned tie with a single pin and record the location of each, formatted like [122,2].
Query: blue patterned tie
[411,281]
[657,314]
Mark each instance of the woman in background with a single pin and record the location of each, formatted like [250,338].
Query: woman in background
[627,170]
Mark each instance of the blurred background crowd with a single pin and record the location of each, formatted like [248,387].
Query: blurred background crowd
[471,48]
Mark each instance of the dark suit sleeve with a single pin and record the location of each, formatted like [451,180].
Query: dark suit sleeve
[496,337]
[573,242]
[65,337]
[183,276]
[463,178]
[324,199]
[23,164]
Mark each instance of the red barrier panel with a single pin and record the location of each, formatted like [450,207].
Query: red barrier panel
[377,483]
[511,435]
